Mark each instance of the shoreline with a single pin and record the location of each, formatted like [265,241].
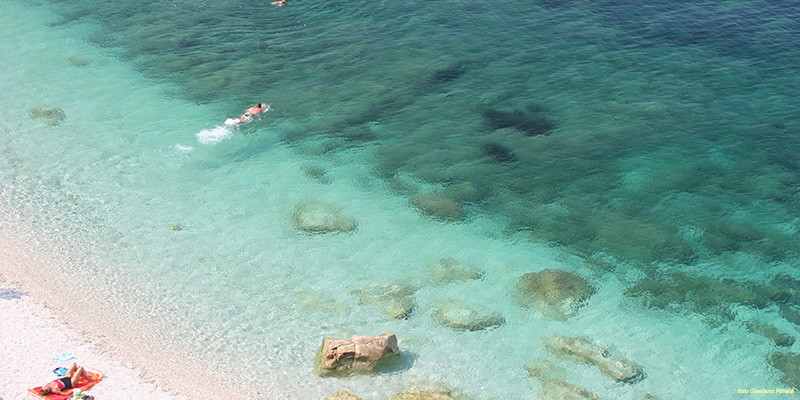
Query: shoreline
[34,331]
[32,335]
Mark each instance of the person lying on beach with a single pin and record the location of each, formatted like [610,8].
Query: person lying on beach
[248,114]
[279,3]
[64,384]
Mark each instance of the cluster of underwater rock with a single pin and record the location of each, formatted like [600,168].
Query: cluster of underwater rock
[716,298]
[397,300]
[53,116]
[510,150]
[554,293]
[322,217]
[586,352]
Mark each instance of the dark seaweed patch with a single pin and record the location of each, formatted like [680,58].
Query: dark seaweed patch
[450,73]
[530,124]
[499,152]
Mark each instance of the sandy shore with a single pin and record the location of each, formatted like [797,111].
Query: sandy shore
[33,331]
[48,308]
[31,336]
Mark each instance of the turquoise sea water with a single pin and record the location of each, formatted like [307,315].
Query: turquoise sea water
[650,149]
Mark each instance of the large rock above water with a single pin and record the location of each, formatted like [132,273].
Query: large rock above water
[583,351]
[360,354]
[466,317]
[449,270]
[556,293]
[321,217]
[437,206]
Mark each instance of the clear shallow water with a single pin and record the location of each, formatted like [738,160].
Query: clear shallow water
[666,156]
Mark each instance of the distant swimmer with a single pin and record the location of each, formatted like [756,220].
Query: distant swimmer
[279,3]
[248,114]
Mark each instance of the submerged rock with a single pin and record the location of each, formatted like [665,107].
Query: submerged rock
[554,389]
[427,391]
[396,301]
[449,73]
[648,396]
[789,365]
[709,296]
[51,115]
[554,292]
[632,238]
[343,395]
[360,354]
[770,332]
[530,124]
[499,152]
[321,217]
[790,314]
[583,351]
[466,317]
[449,270]
[315,300]
[317,173]
[437,206]
[78,61]
[545,370]
[465,192]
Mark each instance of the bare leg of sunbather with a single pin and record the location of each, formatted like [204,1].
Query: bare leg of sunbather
[80,372]
[75,373]
[71,370]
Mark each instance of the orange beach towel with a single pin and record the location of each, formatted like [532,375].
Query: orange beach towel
[82,385]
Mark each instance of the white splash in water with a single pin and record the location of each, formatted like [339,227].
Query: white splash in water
[182,149]
[214,135]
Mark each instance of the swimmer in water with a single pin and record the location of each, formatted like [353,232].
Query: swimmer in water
[279,3]
[248,115]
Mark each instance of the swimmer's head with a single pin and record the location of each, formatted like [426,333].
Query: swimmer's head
[262,105]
